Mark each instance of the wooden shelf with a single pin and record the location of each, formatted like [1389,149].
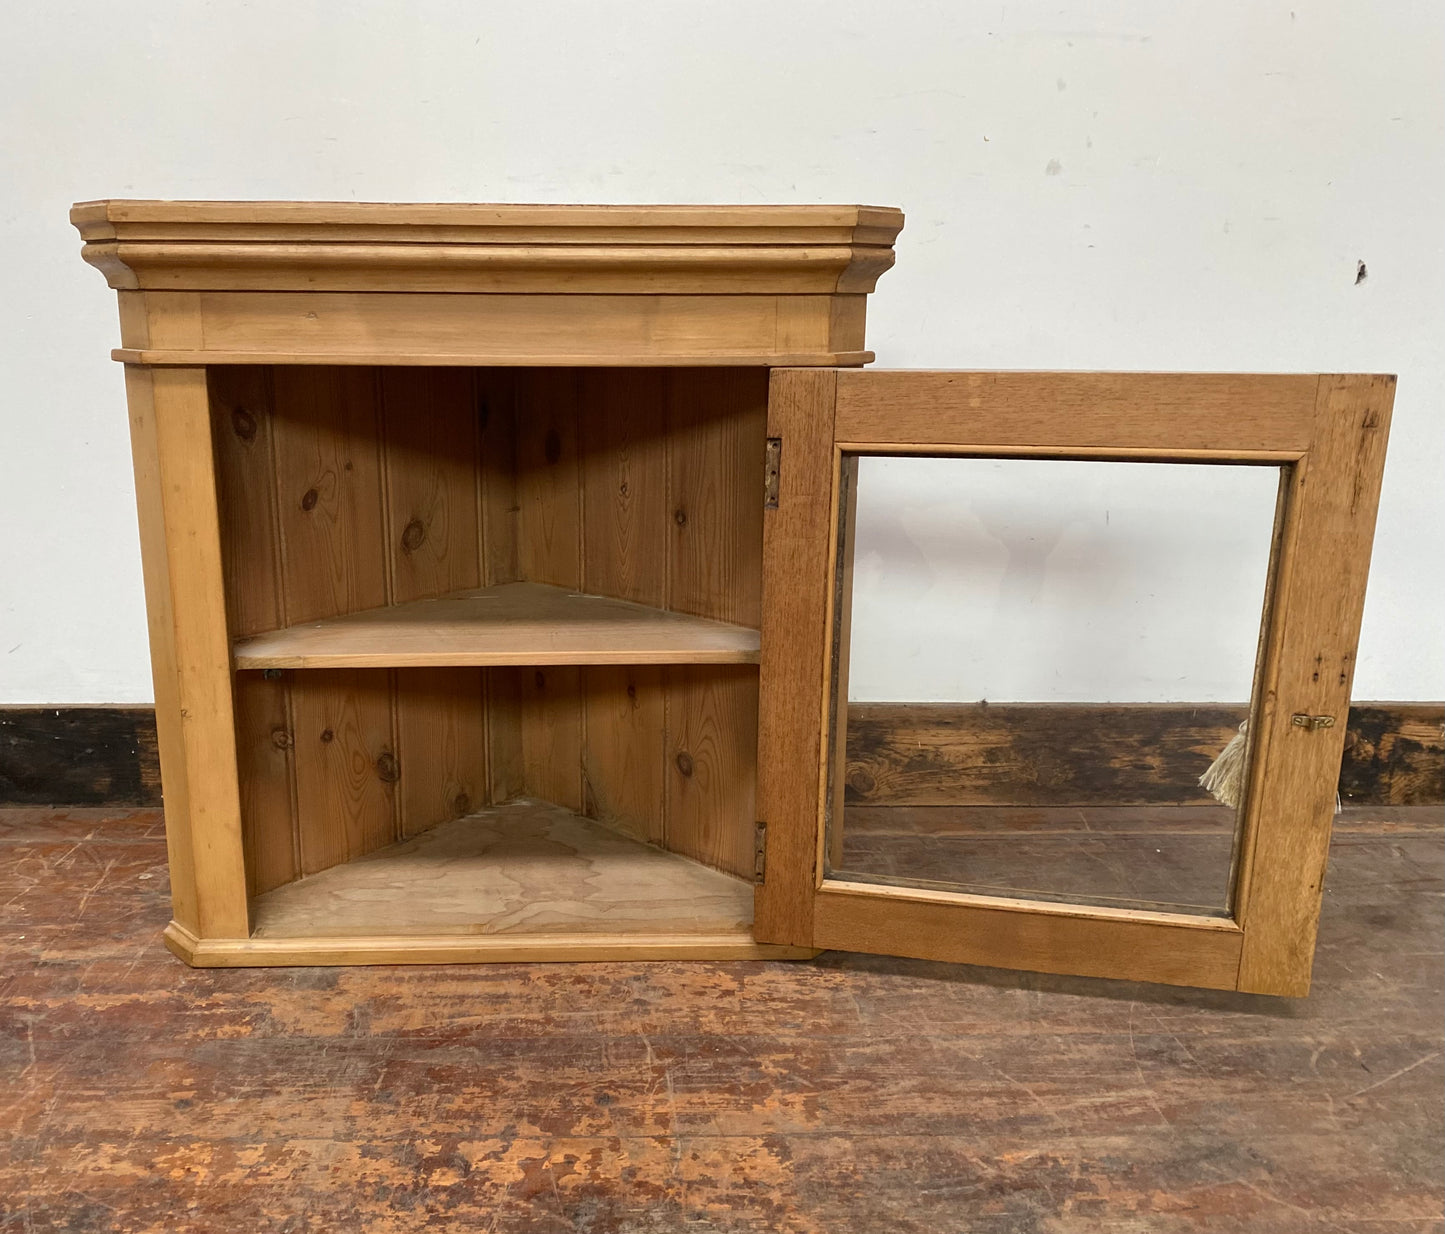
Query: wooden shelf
[513,623]
[526,881]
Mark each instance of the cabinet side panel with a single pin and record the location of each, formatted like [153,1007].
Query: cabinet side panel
[717,434]
[242,431]
[346,768]
[622,764]
[711,766]
[190,651]
[623,427]
[329,491]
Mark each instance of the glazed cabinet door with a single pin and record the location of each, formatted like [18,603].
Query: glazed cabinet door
[1056,666]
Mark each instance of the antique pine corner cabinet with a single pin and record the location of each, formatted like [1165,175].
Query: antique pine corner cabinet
[497,564]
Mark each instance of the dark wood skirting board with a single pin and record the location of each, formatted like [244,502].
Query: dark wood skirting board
[901,754]
[1086,754]
[79,756]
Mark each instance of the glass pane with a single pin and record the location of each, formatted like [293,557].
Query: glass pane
[1041,658]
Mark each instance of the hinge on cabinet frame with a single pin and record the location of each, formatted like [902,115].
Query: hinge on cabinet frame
[760,852]
[1304,720]
[772,464]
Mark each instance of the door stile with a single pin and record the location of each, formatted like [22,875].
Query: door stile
[1321,600]
[797,562]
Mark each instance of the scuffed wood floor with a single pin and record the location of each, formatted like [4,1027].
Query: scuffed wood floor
[847,1094]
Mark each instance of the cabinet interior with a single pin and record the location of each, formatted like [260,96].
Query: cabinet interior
[451,589]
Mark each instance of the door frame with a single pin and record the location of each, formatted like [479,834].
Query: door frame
[1326,432]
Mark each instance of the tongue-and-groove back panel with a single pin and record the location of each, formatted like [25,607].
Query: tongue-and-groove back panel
[345,488]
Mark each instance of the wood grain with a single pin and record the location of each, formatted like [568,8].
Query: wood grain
[264,745]
[329,486]
[840,720]
[712,765]
[345,787]
[241,428]
[514,623]
[527,869]
[855,1093]
[623,775]
[1309,665]
[624,432]
[552,734]
[190,664]
[1042,754]
[506,767]
[495,394]
[83,756]
[404,327]
[716,435]
[390,247]
[1394,755]
[1228,414]
[1028,935]
[441,746]
[549,514]
[797,548]
[429,426]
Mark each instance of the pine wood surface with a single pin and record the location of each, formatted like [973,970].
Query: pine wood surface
[513,623]
[320,246]
[1311,639]
[1331,427]
[851,1093]
[525,868]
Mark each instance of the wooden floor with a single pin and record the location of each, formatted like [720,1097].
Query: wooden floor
[846,1094]
[1175,858]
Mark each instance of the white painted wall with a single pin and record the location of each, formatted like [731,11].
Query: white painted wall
[1088,185]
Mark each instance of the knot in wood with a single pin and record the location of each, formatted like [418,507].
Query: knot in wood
[388,771]
[413,536]
[243,424]
[309,499]
[684,762]
[280,738]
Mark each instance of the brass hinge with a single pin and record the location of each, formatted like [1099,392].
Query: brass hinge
[1302,720]
[760,852]
[772,464]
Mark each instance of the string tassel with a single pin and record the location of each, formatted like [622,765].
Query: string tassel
[1225,777]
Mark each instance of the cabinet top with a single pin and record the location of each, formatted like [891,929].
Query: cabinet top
[394,246]
[481,223]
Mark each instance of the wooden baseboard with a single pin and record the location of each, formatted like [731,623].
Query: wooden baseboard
[903,754]
[79,756]
[1090,754]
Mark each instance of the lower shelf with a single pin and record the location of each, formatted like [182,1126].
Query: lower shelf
[522,881]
